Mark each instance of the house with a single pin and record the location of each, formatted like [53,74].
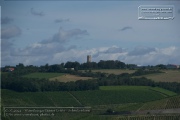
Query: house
[68,68]
[10,69]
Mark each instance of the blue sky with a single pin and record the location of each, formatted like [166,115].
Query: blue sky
[40,32]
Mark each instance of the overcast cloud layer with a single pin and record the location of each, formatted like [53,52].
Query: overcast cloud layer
[53,32]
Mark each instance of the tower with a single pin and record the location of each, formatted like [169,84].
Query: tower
[88,58]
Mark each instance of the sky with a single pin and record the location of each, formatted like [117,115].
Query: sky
[53,32]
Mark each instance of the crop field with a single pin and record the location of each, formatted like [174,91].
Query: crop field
[68,77]
[167,103]
[103,96]
[121,96]
[63,99]
[114,71]
[43,75]
[167,76]
[157,89]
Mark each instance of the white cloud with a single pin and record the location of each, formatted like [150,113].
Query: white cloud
[51,56]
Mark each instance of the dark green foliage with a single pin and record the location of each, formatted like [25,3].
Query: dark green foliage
[22,84]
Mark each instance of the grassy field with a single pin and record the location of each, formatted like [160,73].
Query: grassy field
[68,77]
[114,71]
[43,75]
[167,76]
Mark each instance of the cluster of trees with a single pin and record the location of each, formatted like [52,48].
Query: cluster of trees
[21,84]
[102,64]
[109,64]
[14,81]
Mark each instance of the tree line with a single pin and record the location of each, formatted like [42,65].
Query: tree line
[21,84]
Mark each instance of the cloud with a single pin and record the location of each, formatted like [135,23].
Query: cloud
[108,50]
[179,11]
[61,20]
[40,54]
[114,49]
[125,28]
[141,51]
[63,36]
[9,32]
[37,13]
[6,20]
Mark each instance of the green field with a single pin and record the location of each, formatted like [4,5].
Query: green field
[106,95]
[168,103]
[48,99]
[119,98]
[43,75]
[157,89]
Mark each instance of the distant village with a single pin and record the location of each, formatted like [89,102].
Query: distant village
[89,60]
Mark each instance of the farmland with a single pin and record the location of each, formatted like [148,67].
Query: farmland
[168,103]
[68,77]
[167,76]
[87,98]
[118,98]
[114,71]
[43,75]
[11,98]
[61,77]
[157,89]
